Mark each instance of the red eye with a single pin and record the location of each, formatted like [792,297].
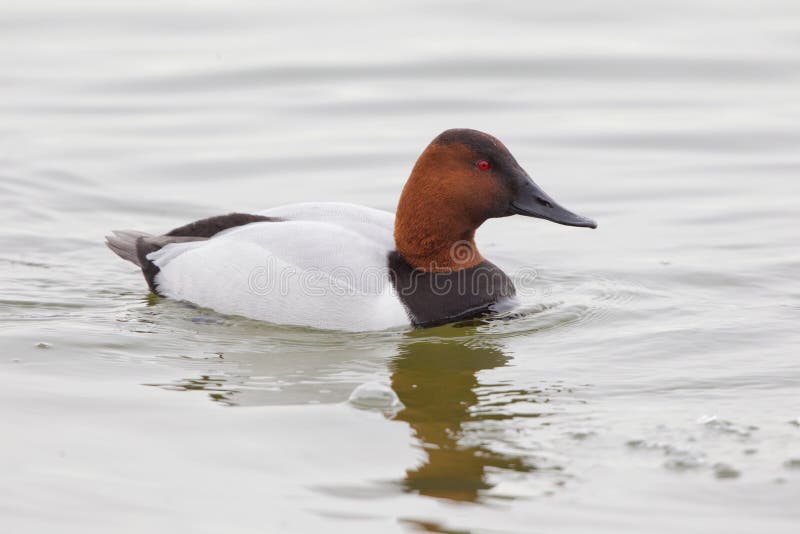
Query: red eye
[483,165]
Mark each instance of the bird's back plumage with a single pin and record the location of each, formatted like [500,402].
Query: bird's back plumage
[316,264]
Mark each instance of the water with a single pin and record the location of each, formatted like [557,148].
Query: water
[648,382]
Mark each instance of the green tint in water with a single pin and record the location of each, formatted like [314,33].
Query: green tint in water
[437,382]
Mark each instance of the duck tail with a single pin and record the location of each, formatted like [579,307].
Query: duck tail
[123,244]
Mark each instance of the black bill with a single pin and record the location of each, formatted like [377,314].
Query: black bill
[531,201]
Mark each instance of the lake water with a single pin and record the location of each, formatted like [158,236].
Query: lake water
[650,381]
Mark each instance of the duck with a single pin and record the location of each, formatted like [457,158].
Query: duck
[341,266]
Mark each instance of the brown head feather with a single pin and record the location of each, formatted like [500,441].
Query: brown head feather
[447,197]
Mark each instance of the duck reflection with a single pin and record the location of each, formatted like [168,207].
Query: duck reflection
[435,374]
[437,381]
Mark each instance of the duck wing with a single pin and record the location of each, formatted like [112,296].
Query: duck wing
[297,272]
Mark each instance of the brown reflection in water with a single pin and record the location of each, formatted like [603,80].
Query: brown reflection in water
[437,381]
[218,388]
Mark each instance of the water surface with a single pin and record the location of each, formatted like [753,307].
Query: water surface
[648,381]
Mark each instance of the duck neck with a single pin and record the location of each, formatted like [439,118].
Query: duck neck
[434,236]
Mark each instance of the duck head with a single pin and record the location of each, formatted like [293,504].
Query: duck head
[463,178]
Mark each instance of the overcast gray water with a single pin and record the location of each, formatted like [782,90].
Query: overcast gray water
[649,382]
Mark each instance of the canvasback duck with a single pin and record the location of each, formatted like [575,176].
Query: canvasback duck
[346,267]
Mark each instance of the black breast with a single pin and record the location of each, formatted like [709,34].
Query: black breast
[433,298]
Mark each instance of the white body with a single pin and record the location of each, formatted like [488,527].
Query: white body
[324,266]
